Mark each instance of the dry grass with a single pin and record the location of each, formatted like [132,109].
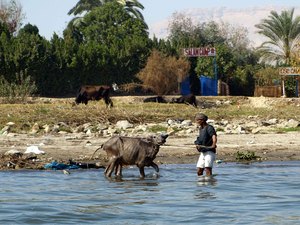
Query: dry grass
[134,110]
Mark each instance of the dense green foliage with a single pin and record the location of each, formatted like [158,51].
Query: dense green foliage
[109,46]
[113,47]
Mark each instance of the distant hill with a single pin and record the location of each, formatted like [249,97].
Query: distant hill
[246,17]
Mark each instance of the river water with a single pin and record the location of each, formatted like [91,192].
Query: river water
[256,193]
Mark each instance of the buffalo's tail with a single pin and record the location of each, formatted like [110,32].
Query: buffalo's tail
[96,151]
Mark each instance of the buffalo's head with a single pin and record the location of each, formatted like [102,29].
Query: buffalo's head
[158,139]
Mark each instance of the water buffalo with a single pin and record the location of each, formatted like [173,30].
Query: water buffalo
[132,151]
[186,99]
[95,92]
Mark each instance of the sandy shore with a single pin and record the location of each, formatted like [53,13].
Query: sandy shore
[270,147]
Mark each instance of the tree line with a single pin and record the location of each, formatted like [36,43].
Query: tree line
[108,41]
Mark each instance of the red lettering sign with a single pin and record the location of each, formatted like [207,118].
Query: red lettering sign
[199,52]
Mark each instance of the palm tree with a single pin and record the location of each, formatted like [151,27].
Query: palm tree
[85,6]
[131,6]
[283,35]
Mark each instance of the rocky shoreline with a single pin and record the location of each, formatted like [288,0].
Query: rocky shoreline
[44,145]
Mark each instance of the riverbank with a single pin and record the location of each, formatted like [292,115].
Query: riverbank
[177,150]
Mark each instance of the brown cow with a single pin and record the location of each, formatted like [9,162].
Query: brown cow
[95,92]
[132,151]
[186,99]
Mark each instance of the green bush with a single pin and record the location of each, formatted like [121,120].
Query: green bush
[248,156]
[288,129]
[17,91]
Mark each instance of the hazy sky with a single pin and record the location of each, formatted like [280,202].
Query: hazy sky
[51,15]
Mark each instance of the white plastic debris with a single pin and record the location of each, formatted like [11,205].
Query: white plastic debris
[34,149]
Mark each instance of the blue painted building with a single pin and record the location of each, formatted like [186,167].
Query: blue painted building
[208,86]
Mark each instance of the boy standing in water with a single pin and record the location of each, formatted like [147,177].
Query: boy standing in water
[206,144]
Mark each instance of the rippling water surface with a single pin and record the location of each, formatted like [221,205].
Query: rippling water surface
[258,193]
